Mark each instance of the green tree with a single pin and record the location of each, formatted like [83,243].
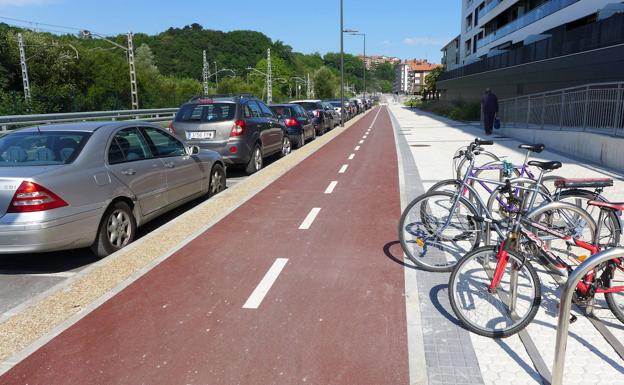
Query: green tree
[324,84]
[431,80]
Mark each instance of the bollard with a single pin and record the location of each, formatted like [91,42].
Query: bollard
[565,306]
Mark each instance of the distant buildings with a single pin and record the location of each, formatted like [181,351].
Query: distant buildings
[410,76]
[374,61]
[519,47]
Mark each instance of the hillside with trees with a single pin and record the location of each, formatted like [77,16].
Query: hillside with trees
[70,73]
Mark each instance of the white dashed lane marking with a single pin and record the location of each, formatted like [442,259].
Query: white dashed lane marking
[343,169]
[331,187]
[357,148]
[361,141]
[307,222]
[351,156]
[256,297]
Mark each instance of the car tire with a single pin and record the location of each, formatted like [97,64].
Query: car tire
[301,141]
[314,133]
[217,180]
[255,161]
[286,147]
[118,219]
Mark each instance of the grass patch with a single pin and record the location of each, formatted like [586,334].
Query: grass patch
[459,109]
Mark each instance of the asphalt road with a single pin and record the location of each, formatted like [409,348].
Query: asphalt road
[294,286]
[23,276]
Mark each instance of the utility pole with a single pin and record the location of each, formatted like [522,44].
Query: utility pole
[20,39]
[269,78]
[133,82]
[216,75]
[342,104]
[308,87]
[205,74]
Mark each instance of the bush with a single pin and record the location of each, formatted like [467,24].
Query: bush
[454,109]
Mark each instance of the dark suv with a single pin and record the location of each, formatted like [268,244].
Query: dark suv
[241,128]
[322,118]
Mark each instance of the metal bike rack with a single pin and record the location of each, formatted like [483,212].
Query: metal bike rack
[565,306]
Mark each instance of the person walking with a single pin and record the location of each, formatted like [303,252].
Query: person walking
[489,110]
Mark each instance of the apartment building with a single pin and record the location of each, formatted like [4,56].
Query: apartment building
[520,47]
[410,76]
[374,61]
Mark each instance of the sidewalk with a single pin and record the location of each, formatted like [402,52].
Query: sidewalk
[430,143]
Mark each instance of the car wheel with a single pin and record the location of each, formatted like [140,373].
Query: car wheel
[301,139]
[217,180]
[255,162]
[117,230]
[314,133]
[286,147]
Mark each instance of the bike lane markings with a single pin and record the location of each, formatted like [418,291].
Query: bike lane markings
[307,222]
[351,156]
[256,297]
[361,141]
[357,148]
[343,169]
[331,187]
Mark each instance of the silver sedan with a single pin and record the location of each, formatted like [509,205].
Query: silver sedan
[75,185]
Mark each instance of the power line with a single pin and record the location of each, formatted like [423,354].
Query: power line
[37,23]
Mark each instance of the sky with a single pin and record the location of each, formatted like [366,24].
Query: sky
[404,28]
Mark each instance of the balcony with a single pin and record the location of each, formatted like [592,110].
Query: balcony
[530,17]
[490,6]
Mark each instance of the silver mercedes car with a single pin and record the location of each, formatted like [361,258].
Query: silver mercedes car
[66,186]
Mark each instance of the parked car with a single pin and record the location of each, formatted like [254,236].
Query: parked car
[360,105]
[316,110]
[334,114]
[66,186]
[298,124]
[240,128]
[336,105]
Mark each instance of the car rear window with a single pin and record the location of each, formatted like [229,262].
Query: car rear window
[43,148]
[309,105]
[281,111]
[335,104]
[209,112]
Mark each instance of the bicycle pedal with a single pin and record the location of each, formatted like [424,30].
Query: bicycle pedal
[573,318]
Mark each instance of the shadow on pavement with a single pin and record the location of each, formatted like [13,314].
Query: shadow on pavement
[393,251]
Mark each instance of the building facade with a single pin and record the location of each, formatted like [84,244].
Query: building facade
[410,76]
[450,54]
[519,47]
[375,61]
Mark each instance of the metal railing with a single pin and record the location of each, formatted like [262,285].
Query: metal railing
[565,306]
[595,108]
[148,115]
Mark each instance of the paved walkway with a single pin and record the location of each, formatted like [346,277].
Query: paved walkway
[450,350]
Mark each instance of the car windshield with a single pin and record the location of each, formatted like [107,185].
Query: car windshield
[281,111]
[206,112]
[335,104]
[309,105]
[45,148]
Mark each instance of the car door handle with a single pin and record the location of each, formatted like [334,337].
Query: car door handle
[128,171]
[169,164]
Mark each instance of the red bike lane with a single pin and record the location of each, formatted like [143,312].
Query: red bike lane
[334,315]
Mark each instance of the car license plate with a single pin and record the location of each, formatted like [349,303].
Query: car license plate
[200,135]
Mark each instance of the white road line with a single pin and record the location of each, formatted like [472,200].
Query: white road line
[357,148]
[351,156]
[364,137]
[307,222]
[361,141]
[331,187]
[343,169]
[374,120]
[21,273]
[256,297]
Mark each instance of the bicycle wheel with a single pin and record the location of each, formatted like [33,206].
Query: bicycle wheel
[437,229]
[487,156]
[615,300]
[494,314]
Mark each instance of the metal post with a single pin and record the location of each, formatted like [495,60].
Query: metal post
[216,75]
[618,110]
[269,78]
[205,75]
[565,306]
[341,65]
[586,109]
[20,40]
[308,93]
[364,65]
[133,82]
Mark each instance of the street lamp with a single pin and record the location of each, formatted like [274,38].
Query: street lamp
[357,33]
[266,75]
[342,64]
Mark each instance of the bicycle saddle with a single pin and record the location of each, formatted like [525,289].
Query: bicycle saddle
[538,147]
[545,165]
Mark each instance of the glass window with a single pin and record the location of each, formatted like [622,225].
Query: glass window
[266,112]
[41,148]
[281,111]
[163,144]
[206,112]
[301,112]
[128,145]
[255,109]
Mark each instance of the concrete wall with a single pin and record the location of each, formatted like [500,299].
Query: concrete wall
[597,66]
[601,149]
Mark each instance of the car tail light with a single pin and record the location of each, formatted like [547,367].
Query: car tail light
[291,122]
[171,129]
[317,113]
[238,129]
[30,197]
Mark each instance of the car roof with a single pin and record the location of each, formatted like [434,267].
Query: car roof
[84,126]
[306,101]
[284,105]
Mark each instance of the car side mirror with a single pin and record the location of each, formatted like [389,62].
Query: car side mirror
[192,150]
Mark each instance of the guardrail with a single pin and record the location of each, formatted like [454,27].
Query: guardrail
[148,115]
[565,306]
[594,108]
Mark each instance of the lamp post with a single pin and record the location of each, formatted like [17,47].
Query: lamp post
[356,33]
[342,114]
[266,75]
